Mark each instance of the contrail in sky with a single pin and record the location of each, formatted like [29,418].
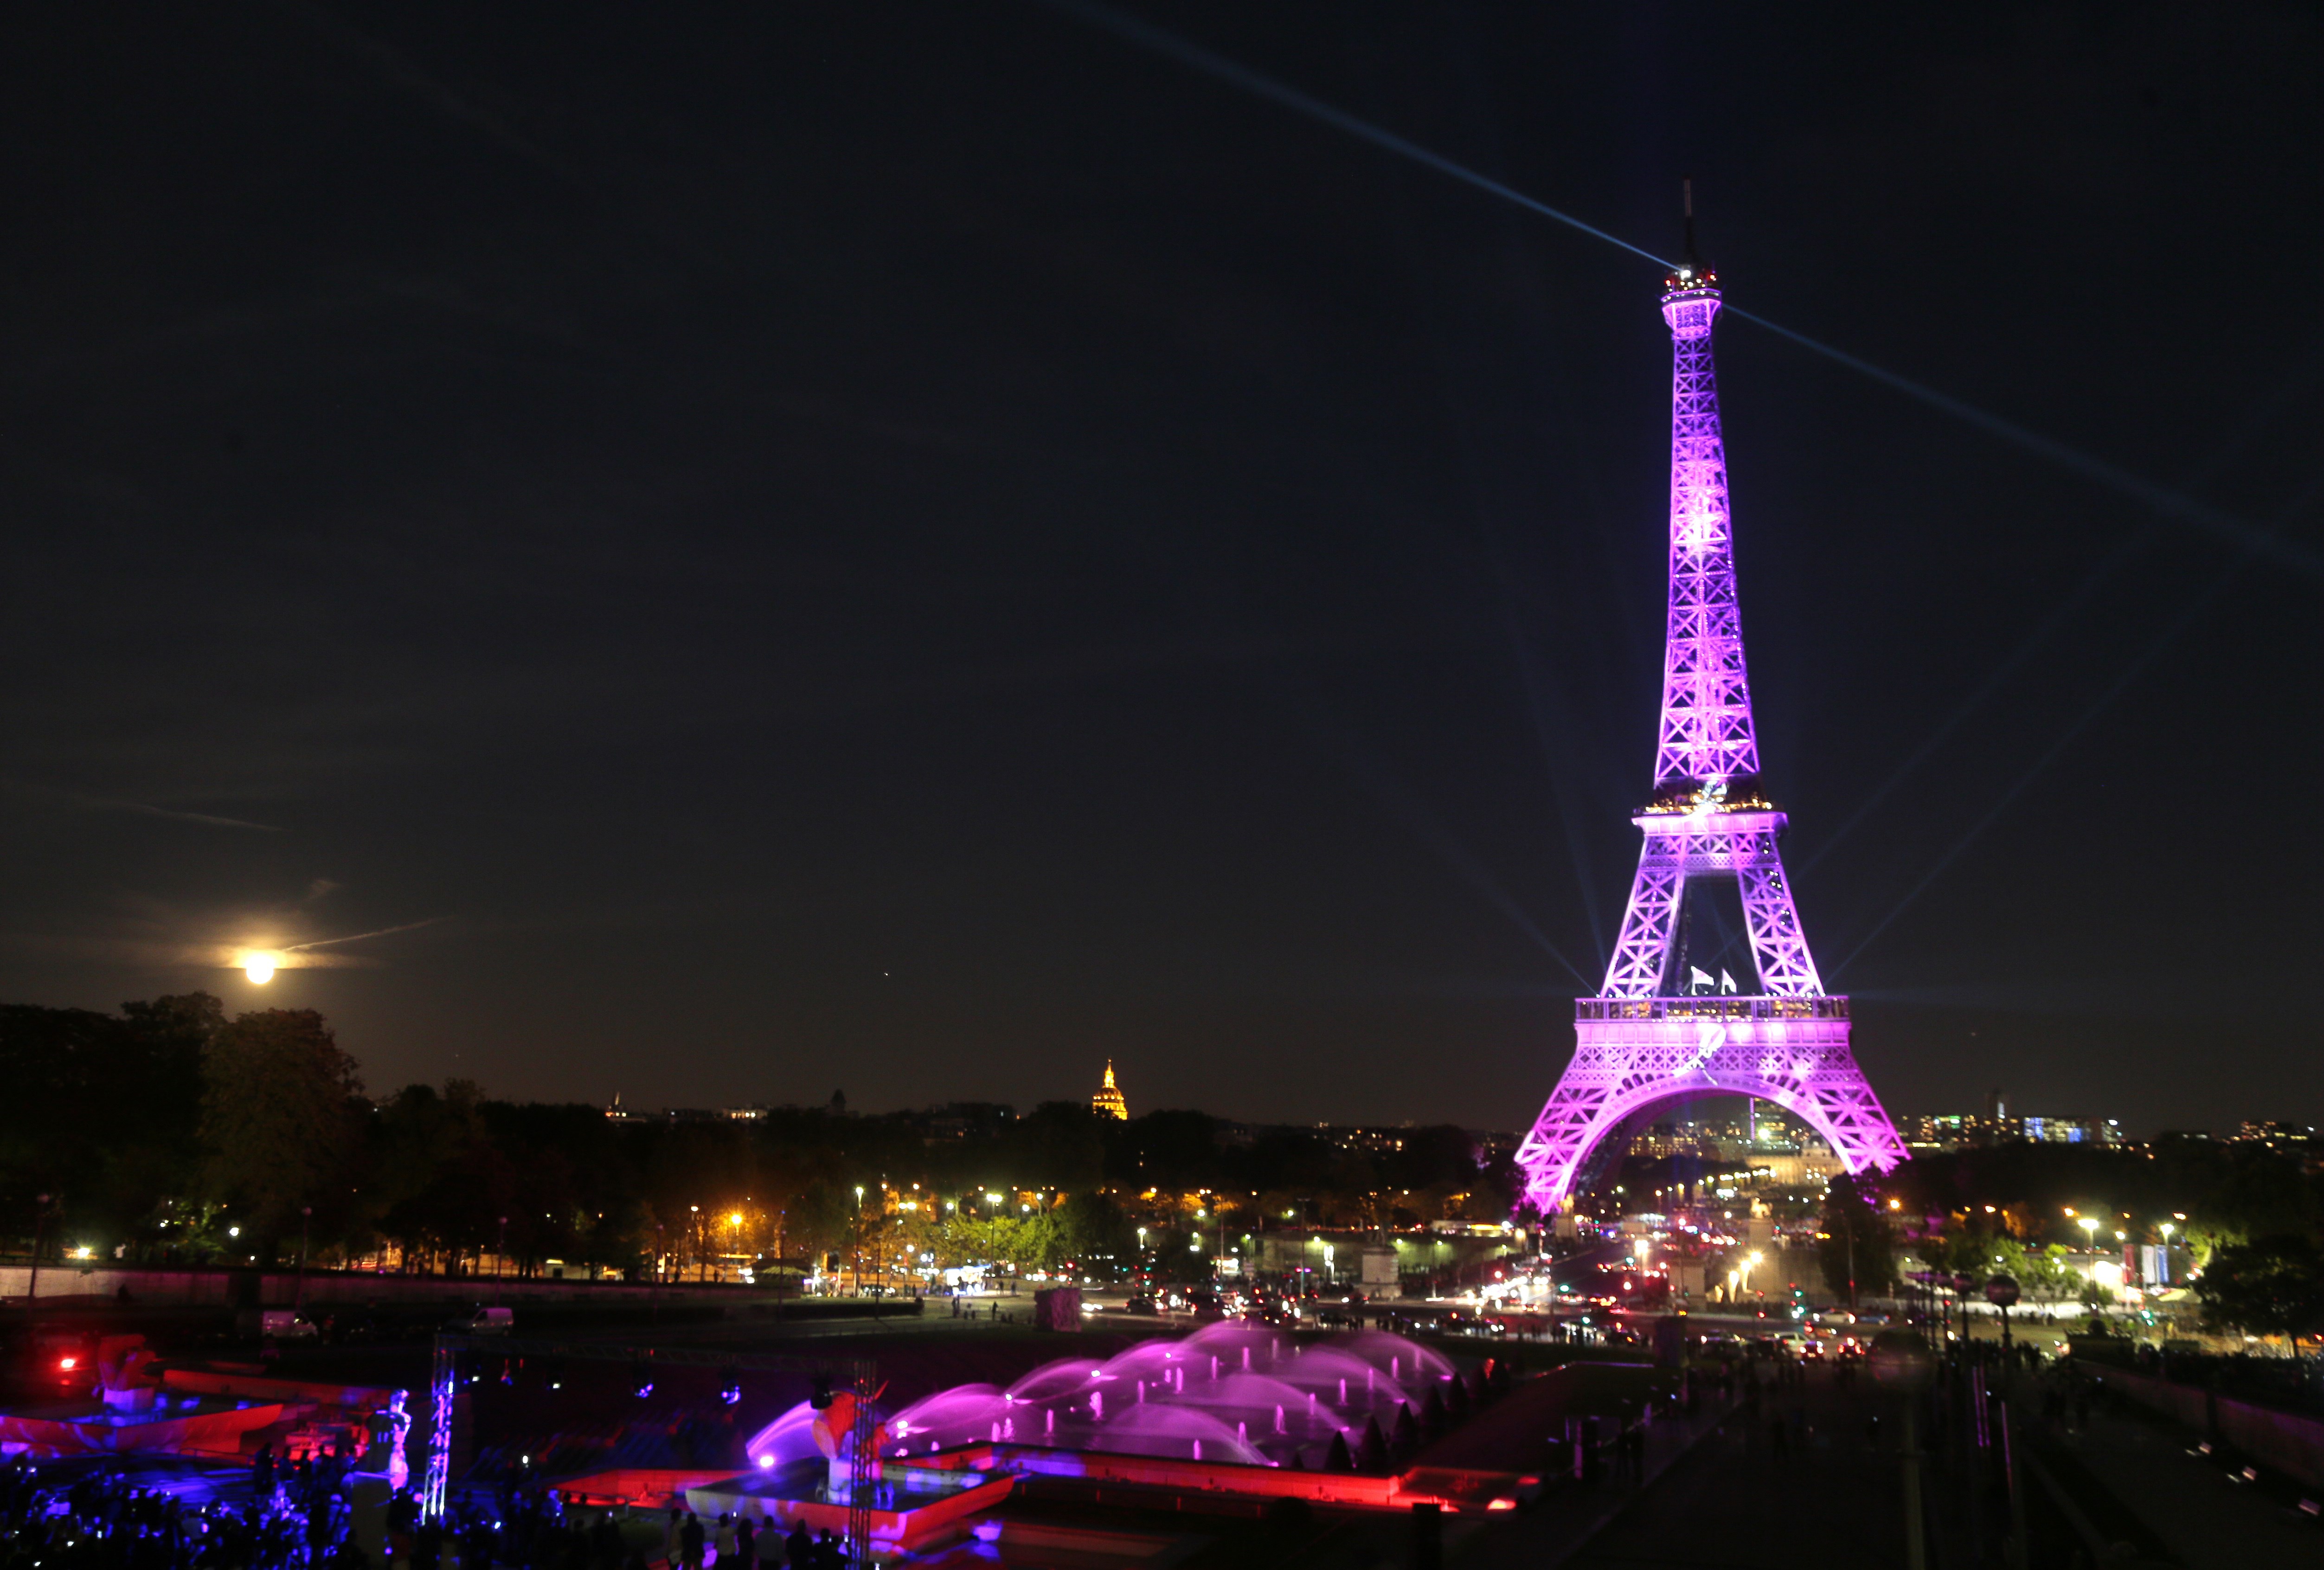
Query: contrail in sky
[207,819]
[141,809]
[2113,476]
[358,936]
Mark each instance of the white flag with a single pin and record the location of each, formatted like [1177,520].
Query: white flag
[1725,981]
[1699,980]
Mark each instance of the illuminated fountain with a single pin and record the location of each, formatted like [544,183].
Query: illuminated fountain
[1231,1392]
[1234,1409]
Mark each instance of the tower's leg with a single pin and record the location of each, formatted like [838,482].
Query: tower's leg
[1643,950]
[1786,969]
[1569,1127]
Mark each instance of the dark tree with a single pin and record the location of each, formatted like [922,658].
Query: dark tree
[2271,1286]
[1854,1241]
[101,1113]
[281,1109]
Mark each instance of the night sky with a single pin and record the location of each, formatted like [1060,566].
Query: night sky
[915,548]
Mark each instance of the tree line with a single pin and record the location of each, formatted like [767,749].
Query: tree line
[170,1133]
[2251,1220]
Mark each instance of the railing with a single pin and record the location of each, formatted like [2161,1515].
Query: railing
[1710,1006]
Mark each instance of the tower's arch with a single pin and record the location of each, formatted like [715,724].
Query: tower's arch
[1798,1058]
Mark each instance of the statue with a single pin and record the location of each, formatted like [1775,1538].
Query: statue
[398,1424]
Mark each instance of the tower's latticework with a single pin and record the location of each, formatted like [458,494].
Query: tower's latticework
[1643,1040]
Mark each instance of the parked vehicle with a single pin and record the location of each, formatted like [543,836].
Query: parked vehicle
[286,1325]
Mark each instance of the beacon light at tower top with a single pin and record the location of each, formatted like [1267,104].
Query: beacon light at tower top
[1642,1041]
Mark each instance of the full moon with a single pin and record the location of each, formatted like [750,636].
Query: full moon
[259,967]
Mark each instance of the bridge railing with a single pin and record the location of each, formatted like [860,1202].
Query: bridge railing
[1709,1007]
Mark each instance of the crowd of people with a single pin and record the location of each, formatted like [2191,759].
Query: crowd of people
[104,1520]
[297,1517]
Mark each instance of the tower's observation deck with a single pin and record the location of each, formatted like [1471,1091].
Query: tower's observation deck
[1642,1041]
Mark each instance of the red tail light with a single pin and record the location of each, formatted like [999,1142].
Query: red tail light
[67,1363]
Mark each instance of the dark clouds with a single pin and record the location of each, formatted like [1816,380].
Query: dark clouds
[918,546]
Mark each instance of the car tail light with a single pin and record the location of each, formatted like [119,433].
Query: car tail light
[67,1363]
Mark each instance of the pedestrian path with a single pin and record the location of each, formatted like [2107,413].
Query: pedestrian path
[2207,1521]
[1805,1481]
[1570,1514]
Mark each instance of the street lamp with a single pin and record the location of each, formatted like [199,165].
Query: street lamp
[298,1297]
[40,1224]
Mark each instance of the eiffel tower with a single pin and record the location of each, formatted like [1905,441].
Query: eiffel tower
[1644,1040]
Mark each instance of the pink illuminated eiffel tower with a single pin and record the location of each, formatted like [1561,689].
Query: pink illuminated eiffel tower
[1642,1041]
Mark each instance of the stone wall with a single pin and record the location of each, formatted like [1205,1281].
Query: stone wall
[251,1289]
[2285,1441]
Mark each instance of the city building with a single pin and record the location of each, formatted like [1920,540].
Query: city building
[1107,1102]
[1960,1130]
[2072,1130]
[1968,1130]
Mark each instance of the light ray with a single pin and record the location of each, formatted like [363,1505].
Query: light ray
[2113,476]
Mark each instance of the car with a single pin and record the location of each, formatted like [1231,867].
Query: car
[1141,1303]
[287,1324]
[484,1319]
[353,1328]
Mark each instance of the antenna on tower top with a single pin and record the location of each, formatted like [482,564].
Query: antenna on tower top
[1686,203]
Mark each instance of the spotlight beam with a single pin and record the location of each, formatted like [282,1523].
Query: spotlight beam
[2063,612]
[2186,618]
[1145,35]
[2112,477]
[2050,754]
[2160,498]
